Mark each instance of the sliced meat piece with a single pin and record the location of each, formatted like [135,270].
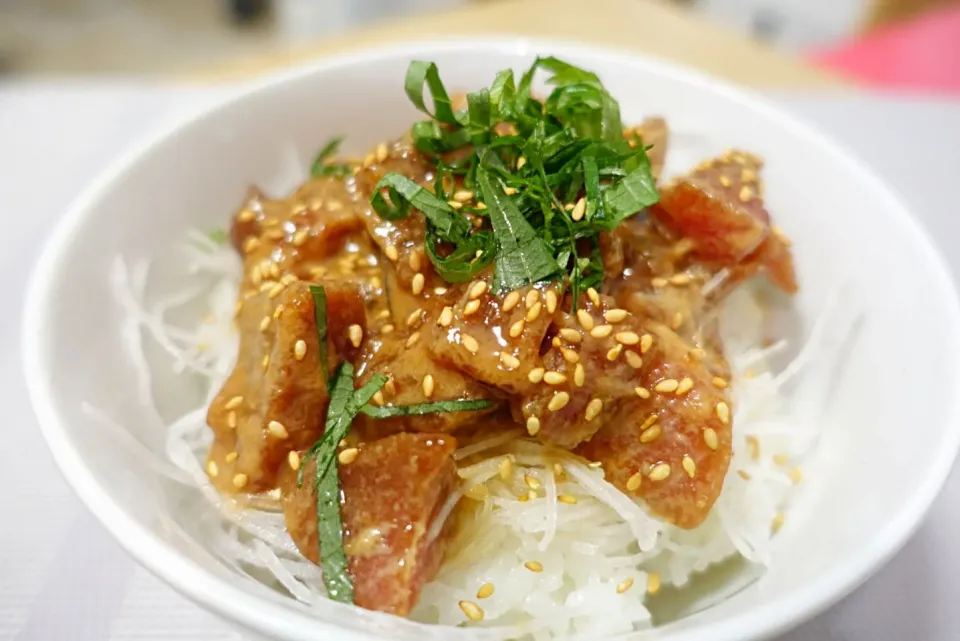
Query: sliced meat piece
[407,362]
[275,399]
[492,338]
[719,207]
[653,131]
[391,495]
[675,441]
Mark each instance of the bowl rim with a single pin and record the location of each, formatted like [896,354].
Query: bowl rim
[218,595]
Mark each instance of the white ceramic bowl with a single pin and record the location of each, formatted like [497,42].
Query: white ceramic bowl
[890,434]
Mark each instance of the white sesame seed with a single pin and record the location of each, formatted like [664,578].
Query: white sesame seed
[571,335]
[348,456]
[570,355]
[509,190]
[569,499]
[300,349]
[533,426]
[653,582]
[601,331]
[754,445]
[650,434]
[477,289]
[231,457]
[446,317]
[212,469]
[778,521]
[509,361]
[551,298]
[634,482]
[585,319]
[378,398]
[534,566]
[428,385]
[658,282]
[710,438]
[510,301]
[382,152]
[593,409]
[277,429]
[521,161]
[239,480]
[796,475]
[627,338]
[719,382]
[233,403]
[463,196]
[473,611]
[646,342]
[470,343]
[392,253]
[642,392]
[614,352]
[264,323]
[275,290]
[579,209]
[624,585]
[634,360]
[531,481]
[532,297]
[680,279]
[659,472]
[355,334]
[246,216]
[554,378]
[689,466]
[666,386]
[485,591]
[615,315]
[232,420]
[471,307]
[536,375]
[293,460]
[517,328]
[558,401]
[416,285]
[723,412]
[684,386]
[413,339]
[579,375]
[593,295]
[505,468]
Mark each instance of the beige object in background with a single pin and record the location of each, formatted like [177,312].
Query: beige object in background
[655,27]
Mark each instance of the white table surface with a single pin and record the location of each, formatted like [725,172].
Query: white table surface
[62,578]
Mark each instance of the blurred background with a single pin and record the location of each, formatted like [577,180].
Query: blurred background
[178,38]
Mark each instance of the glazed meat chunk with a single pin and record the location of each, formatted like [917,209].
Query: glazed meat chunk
[392,494]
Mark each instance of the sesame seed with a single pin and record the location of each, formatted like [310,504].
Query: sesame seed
[348,456]
[517,328]
[478,492]
[239,480]
[510,301]
[551,297]
[531,482]
[387,329]
[300,237]
[646,342]
[680,279]
[689,466]
[659,472]
[667,385]
[568,207]
[570,355]
[554,378]
[415,317]
[653,582]
[505,468]
[780,459]
[416,285]
[677,320]
[719,382]
[534,566]
[300,349]
[382,152]
[710,438]
[446,317]
[658,282]
[634,360]
[278,311]
[264,323]
[579,375]
[293,460]
[471,307]
[595,465]
[413,339]
[470,343]
[593,409]
[473,611]
[232,420]
[725,181]
[778,521]
[485,591]
[277,429]
[624,585]
[265,363]
[250,244]
[455,204]
[477,289]
[532,297]
[521,161]
[392,253]
[571,335]
[383,314]
[744,475]
[533,426]
[246,216]
[534,312]
[614,352]
[233,403]
[355,334]
[509,361]
[212,469]
[585,319]
[463,196]
[684,386]
[723,412]
[754,445]
[275,291]
[745,193]
[523,498]
[634,482]
[601,331]
[593,296]
[615,315]
[627,338]
[509,190]
[651,434]
[796,475]
[642,392]
[414,260]
[378,398]
[231,457]
[579,209]
[536,375]
[428,385]
[558,402]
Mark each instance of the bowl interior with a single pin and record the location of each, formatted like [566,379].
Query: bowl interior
[889,430]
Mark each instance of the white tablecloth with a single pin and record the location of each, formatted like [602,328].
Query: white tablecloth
[62,578]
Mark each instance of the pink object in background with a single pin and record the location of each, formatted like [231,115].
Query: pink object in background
[923,54]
